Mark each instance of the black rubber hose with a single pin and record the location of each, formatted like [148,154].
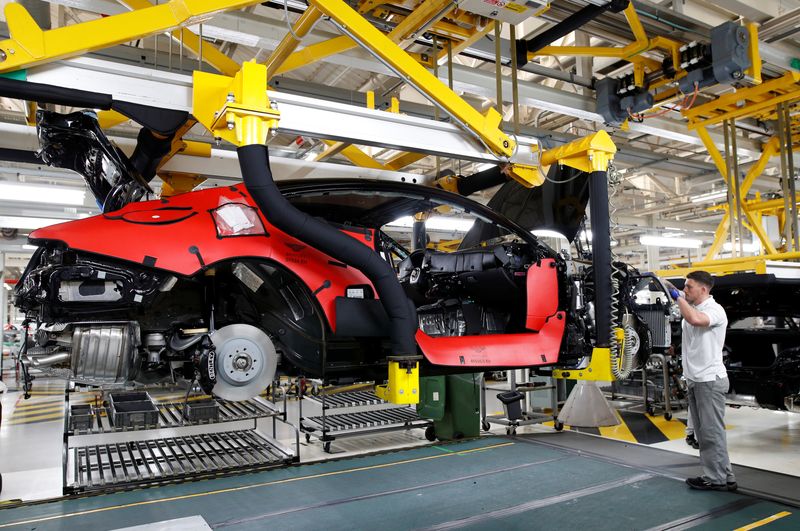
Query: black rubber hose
[149,152]
[573,22]
[481,181]
[257,176]
[20,155]
[601,255]
[40,93]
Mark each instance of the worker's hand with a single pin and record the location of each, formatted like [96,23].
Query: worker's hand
[674,292]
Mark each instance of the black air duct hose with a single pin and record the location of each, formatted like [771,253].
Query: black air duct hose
[573,22]
[150,151]
[601,255]
[257,176]
[481,181]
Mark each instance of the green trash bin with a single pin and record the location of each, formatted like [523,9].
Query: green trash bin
[431,397]
[456,410]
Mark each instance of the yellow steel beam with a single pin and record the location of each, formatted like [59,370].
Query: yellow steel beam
[716,156]
[401,160]
[758,230]
[591,153]
[720,235]
[316,52]
[757,99]
[630,52]
[352,153]
[466,43]
[756,264]
[486,127]
[767,152]
[28,45]
[191,41]
[792,255]
[290,41]
[754,72]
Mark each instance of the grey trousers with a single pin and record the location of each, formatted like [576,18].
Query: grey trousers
[707,409]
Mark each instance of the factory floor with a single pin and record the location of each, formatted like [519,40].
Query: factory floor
[763,446]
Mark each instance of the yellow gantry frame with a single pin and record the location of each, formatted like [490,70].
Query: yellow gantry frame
[29,45]
[358,28]
[632,52]
[758,102]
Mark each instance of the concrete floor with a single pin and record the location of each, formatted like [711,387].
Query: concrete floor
[31,439]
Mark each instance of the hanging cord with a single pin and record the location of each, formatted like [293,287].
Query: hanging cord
[619,370]
[289,24]
[544,173]
[682,106]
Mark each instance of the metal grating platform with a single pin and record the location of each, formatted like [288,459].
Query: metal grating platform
[347,399]
[365,419]
[170,415]
[121,464]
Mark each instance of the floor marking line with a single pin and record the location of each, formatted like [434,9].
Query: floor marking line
[544,502]
[373,495]
[764,521]
[672,429]
[621,432]
[693,520]
[247,487]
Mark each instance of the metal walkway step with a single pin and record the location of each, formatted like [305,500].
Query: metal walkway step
[121,464]
[365,419]
[171,415]
[347,399]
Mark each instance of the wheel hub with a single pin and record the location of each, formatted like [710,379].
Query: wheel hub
[245,362]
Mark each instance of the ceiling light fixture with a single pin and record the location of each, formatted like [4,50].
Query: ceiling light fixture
[42,194]
[662,241]
[14,222]
[748,247]
[708,196]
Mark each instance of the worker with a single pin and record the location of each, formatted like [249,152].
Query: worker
[703,327]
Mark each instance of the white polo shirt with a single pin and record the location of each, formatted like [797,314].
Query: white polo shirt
[702,345]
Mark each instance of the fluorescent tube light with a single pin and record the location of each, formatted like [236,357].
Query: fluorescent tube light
[709,196]
[662,241]
[748,247]
[42,194]
[14,222]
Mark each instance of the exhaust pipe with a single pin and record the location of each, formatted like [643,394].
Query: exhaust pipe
[257,176]
[46,361]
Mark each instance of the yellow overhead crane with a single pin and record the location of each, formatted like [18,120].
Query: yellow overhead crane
[28,46]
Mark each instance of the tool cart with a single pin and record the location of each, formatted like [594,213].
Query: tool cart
[347,413]
[517,403]
[119,440]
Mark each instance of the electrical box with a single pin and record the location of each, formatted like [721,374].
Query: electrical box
[512,12]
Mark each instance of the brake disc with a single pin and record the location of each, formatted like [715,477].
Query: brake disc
[245,361]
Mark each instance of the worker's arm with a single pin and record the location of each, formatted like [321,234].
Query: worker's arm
[692,315]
